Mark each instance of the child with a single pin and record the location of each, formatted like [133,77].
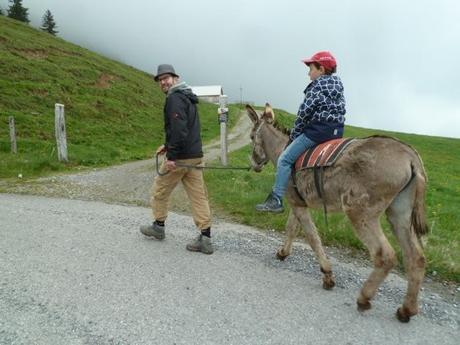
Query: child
[320,118]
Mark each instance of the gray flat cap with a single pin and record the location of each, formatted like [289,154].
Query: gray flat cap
[165,69]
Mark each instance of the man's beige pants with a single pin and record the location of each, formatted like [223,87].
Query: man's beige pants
[193,182]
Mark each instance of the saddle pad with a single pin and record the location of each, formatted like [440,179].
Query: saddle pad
[322,155]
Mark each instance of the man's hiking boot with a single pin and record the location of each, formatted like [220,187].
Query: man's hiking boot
[271,204]
[155,230]
[201,244]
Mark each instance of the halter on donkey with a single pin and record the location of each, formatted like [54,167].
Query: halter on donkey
[372,176]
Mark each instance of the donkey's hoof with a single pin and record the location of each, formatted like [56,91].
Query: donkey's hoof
[363,306]
[402,315]
[328,283]
[280,256]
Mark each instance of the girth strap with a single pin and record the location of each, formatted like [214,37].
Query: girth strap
[319,184]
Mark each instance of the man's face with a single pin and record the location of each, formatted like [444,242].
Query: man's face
[167,81]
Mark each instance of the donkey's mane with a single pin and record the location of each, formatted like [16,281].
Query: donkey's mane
[281,128]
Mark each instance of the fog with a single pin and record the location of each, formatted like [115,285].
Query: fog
[397,59]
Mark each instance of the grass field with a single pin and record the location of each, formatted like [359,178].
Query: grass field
[440,155]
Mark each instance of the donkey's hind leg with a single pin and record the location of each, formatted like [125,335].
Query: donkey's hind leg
[383,255]
[292,229]
[304,218]
[399,216]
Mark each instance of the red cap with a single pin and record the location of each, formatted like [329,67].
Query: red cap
[324,58]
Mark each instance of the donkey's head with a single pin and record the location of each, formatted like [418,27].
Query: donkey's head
[259,156]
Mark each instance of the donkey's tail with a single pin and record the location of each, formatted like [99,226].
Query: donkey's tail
[418,217]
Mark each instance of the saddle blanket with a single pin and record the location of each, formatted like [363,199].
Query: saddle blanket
[322,155]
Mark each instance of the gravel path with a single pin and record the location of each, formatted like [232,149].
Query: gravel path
[79,272]
[248,251]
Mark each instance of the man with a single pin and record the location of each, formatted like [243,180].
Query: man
[183,147]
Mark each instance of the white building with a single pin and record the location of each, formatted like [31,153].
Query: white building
[209,93]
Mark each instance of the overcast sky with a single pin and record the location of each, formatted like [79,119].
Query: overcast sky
[399,60]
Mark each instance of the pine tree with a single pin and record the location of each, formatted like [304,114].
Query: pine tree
[48,23]
[17,11]
[1,12]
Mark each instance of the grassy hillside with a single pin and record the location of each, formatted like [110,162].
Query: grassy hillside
[113,111]
[440,156]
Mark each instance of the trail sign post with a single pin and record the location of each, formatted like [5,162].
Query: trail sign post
[223,120]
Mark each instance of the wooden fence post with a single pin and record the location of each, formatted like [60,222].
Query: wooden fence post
[14,146]
[61,137]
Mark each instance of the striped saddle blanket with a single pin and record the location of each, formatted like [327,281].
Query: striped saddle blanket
[322,155]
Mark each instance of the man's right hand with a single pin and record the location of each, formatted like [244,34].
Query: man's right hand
[161,150]
[171,165]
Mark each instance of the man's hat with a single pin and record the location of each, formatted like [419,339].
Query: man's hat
[324,58]
[165,69]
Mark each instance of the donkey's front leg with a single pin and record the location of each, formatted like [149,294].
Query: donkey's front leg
[304,218]
[292,229]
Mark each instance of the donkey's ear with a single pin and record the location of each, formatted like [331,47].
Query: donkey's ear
[252,113]
[269,114]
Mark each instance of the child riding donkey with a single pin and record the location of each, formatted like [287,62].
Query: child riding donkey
[320,118]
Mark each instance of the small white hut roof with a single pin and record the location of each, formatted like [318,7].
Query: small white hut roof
[210,90]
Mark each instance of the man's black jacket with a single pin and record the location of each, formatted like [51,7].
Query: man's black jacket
[182,124]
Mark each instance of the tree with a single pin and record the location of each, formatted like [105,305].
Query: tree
[17,11]
[48,23]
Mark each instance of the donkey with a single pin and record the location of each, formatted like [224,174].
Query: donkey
[374,175]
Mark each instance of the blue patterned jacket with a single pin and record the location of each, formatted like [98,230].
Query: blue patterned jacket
[321,116]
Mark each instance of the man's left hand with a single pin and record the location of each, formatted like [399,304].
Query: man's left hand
[161,150]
